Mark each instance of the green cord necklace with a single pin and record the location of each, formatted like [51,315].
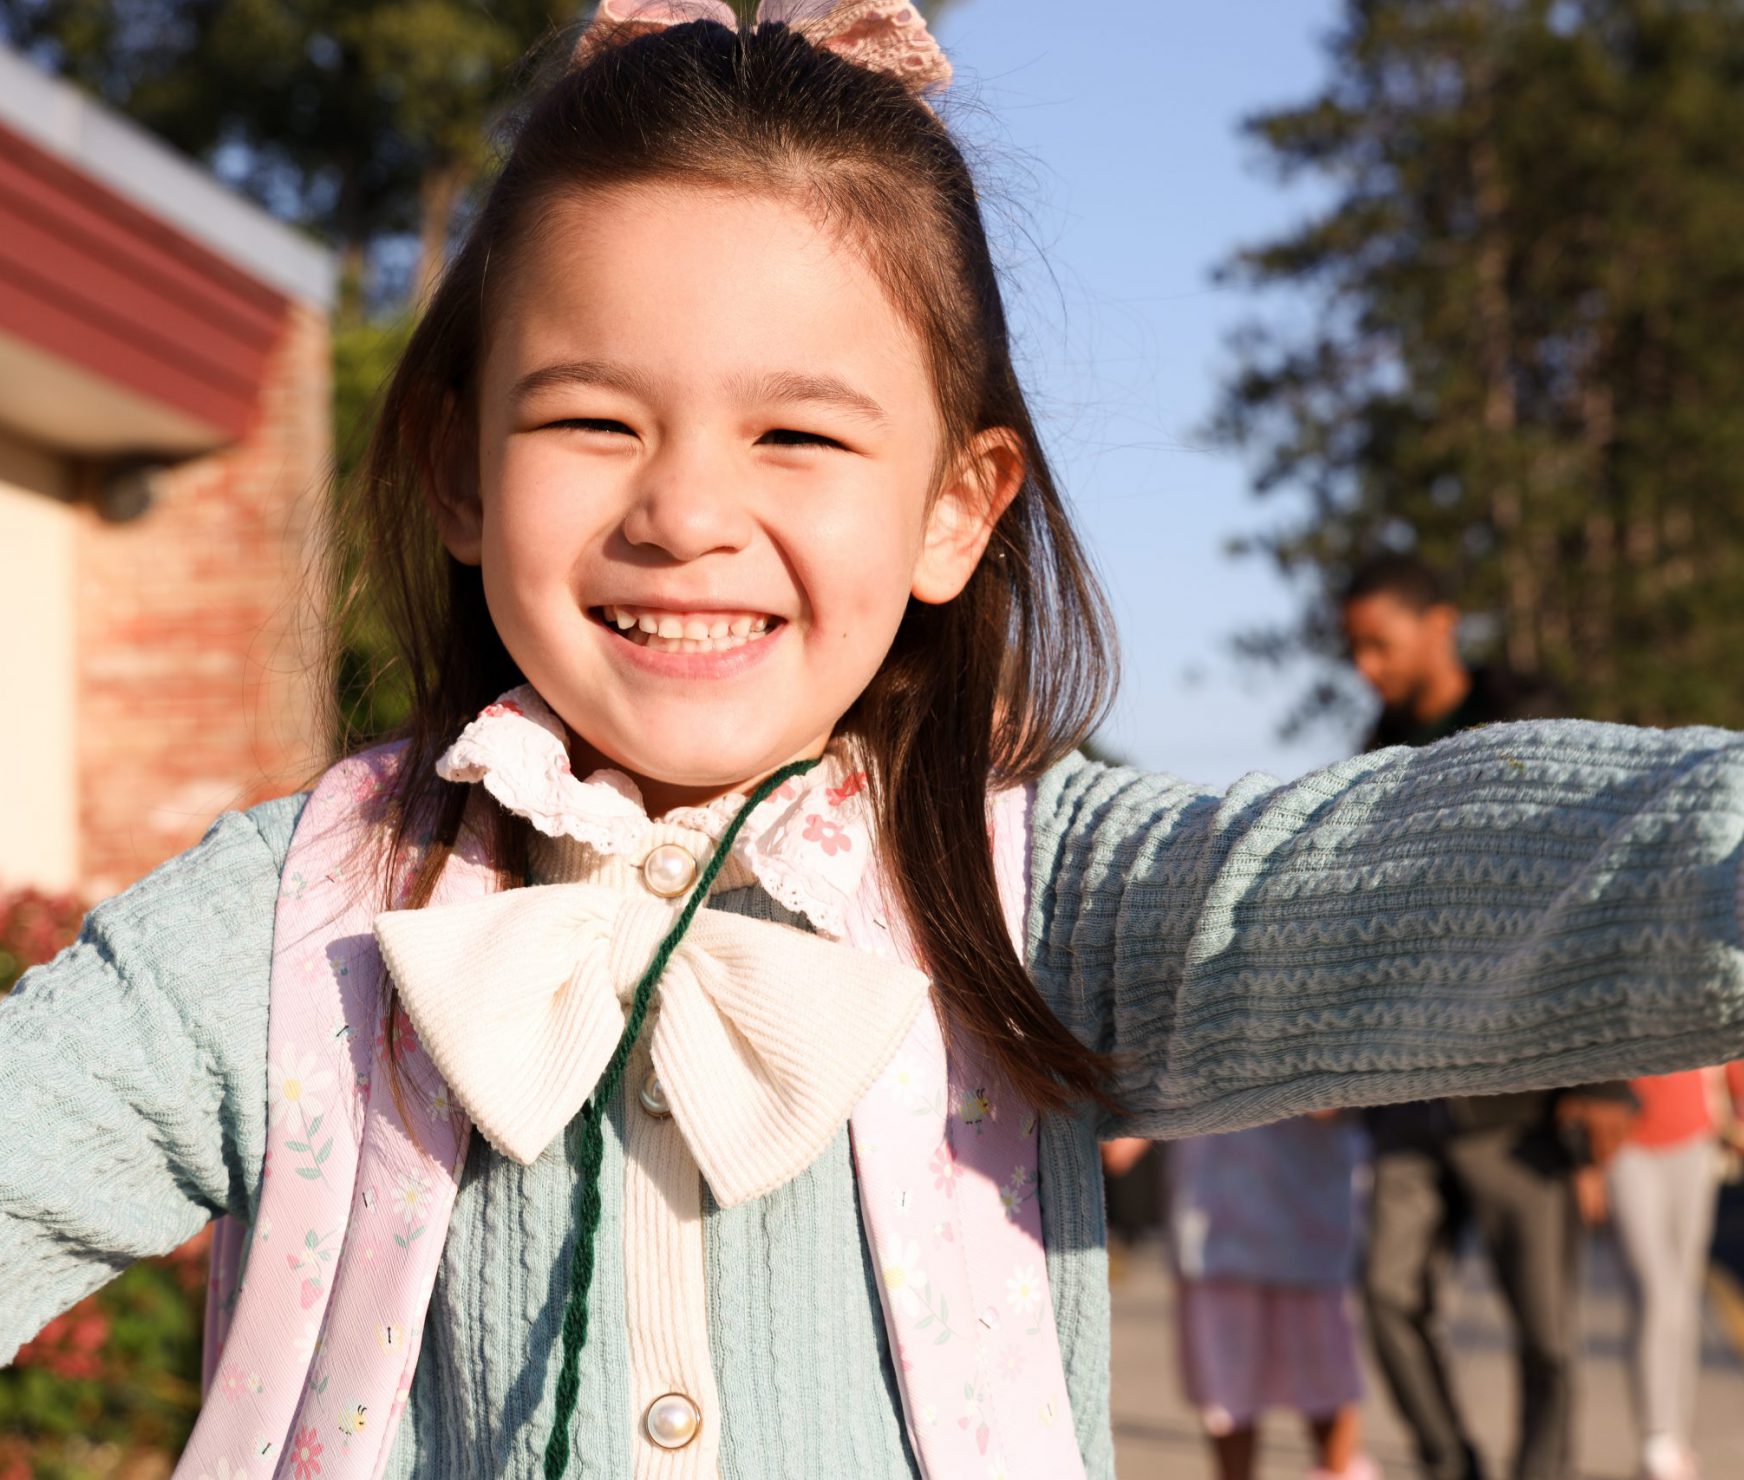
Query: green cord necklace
[592,1151]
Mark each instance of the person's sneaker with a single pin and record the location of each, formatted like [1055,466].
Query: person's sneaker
[1664,1457]
[1360,1468]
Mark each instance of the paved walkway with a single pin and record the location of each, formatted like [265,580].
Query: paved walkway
[1156,1437]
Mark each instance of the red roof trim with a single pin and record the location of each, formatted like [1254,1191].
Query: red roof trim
[89,277]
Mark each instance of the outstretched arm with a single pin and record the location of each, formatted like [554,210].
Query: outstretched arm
[133,1073]
[1522,906]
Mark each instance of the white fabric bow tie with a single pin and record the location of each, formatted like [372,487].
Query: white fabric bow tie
[764,1037]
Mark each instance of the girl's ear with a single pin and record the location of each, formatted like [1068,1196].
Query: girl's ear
[981,485]
[451,487]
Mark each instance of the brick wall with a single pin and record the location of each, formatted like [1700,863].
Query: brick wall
[198,669]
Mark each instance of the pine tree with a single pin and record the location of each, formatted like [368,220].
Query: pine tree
[1523,361]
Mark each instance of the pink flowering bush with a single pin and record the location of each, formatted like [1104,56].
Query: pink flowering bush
[33,927]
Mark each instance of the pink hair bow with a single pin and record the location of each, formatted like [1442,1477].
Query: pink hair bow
[887,36]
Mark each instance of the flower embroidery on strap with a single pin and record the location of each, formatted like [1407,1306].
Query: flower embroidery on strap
[1016,1190]
[317,1251]
[306,1455]
[411,1199]
[296,1088]
[1023,1290]
[235,1382]
[944,1169]
[405,1036]
[904,1277]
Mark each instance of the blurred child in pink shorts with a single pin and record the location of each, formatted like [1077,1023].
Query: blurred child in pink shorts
[1263,1230]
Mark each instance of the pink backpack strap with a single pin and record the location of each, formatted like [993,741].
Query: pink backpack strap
[311,1357]
[223,1279]
[946,1163]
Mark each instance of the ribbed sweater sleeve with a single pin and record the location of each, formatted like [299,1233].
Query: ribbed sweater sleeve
[1523,906]
[133,1072]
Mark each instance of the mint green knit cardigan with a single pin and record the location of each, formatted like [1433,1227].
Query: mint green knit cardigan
[1522,906]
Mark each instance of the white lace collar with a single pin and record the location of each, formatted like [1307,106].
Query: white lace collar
[808,844]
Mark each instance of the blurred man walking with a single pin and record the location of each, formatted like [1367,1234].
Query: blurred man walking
[1505,1163]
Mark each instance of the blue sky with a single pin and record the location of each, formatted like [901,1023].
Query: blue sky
[1107,134]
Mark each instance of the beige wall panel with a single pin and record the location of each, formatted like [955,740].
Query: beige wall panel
[39,813]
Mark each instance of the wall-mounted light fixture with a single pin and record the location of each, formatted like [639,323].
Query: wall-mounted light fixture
[126,491]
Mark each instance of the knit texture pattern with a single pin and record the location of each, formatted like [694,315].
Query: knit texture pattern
[1518,907]
[1523,906]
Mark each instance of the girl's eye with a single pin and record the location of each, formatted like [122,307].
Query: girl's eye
[787,437]
[594,424]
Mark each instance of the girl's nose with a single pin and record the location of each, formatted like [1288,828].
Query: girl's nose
[687,506]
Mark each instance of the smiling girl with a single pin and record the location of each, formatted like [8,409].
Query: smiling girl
[727,570]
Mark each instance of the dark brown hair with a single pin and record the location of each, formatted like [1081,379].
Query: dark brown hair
[1407,579]
[994,686]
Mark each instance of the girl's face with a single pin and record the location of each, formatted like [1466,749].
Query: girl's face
[708,450]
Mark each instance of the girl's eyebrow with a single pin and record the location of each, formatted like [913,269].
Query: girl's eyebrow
[826,390]
[773,385]
[583,372]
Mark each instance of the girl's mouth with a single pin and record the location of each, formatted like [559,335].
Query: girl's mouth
[666,631]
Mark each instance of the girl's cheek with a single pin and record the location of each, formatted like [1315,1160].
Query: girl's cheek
[547,504]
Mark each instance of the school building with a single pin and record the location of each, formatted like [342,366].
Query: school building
[164,436]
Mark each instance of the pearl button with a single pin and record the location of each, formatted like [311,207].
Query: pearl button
[653,1097]
[669,870]
[672,1421]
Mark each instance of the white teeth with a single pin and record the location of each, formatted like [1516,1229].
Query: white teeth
[671,633]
